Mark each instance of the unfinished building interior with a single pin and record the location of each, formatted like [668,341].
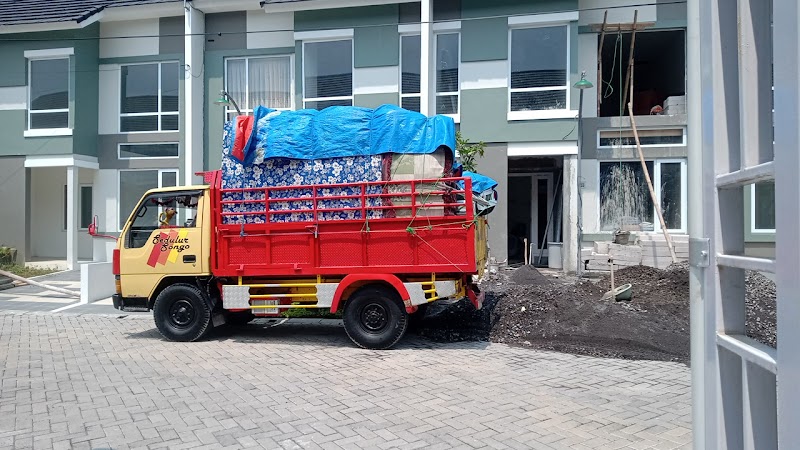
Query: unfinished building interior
[659,65]
[534,208]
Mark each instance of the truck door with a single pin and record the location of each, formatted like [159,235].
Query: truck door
[163,237]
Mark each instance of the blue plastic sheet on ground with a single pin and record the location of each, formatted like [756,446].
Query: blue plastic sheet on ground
[342,131]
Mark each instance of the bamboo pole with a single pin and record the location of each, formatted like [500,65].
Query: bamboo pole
[629,72]
[41,285]
[600,63]
[656,201]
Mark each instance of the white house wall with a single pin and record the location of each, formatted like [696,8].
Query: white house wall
[47,235]
[282,23]
[108,100]
[116,48]
[376,80]
[590,172]
[484,74]
[13,97]
[105,206]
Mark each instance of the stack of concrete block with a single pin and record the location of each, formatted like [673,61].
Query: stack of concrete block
[647,249]
[675,105]
[655,251]
[598,255]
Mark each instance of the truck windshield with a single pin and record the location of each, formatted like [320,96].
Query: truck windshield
[160,211]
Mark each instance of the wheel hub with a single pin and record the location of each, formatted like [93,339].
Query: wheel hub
[182,313]
[374,317]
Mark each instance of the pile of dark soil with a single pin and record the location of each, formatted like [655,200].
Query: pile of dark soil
[529,276]
[530,309]
[761,304]
[574,319]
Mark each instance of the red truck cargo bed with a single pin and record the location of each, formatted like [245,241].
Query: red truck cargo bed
[436,234]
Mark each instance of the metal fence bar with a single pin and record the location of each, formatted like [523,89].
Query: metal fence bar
[787,215]
[746,262]
[750,350]
[747,176]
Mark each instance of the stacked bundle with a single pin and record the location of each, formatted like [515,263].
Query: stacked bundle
[338,145]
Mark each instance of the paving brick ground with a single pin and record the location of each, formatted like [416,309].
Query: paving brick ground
[34,298]
[110,381]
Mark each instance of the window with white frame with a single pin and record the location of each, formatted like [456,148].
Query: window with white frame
[448,58]
[134,183]
[410,72]
[259,81]
[539,68]
[85,215]
[48,97]
[149,97]
[327,74]
[762,207]
[647,138]
[625,198]
[149,151]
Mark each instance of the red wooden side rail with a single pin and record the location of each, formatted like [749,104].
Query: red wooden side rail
[400,227]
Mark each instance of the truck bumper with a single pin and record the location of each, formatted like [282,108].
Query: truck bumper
[129,303]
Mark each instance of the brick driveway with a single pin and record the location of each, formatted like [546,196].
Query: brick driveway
[105,381]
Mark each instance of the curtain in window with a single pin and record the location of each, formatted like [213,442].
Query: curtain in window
[269,83]
[236,81]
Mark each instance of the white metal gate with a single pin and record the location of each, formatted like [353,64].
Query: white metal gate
[746,395]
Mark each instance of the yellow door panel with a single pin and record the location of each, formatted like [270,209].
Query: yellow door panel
[164,238]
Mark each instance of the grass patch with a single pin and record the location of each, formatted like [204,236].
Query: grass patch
[26,272]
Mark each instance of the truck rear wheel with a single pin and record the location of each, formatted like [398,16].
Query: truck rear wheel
[181,313]
[375,318]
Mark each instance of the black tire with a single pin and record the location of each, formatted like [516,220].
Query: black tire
[181,313]
[239,318]
[375,318]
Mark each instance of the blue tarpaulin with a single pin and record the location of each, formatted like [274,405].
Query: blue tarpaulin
[480,183]
[342,131]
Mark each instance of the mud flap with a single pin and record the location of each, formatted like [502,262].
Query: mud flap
[475,295]
[218,319]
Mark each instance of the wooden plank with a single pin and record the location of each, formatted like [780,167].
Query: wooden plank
[600,63]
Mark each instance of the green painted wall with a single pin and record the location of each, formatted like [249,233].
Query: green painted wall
[481,8]
[85,92]
[214,73]
[83,98]
[376,46]
[484,39]
[484,118]
[375,39]
[345,17]
[376,100]
[12,125]
[12,50]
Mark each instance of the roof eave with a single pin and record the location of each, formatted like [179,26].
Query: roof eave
[306,5]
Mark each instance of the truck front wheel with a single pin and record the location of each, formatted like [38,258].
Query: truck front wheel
[375,318]
[181,313]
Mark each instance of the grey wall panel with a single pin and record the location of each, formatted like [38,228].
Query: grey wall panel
[171,39]
[226,31]
[13,213]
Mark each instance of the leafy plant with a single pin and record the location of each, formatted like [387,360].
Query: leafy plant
[469,152]
[8,255]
